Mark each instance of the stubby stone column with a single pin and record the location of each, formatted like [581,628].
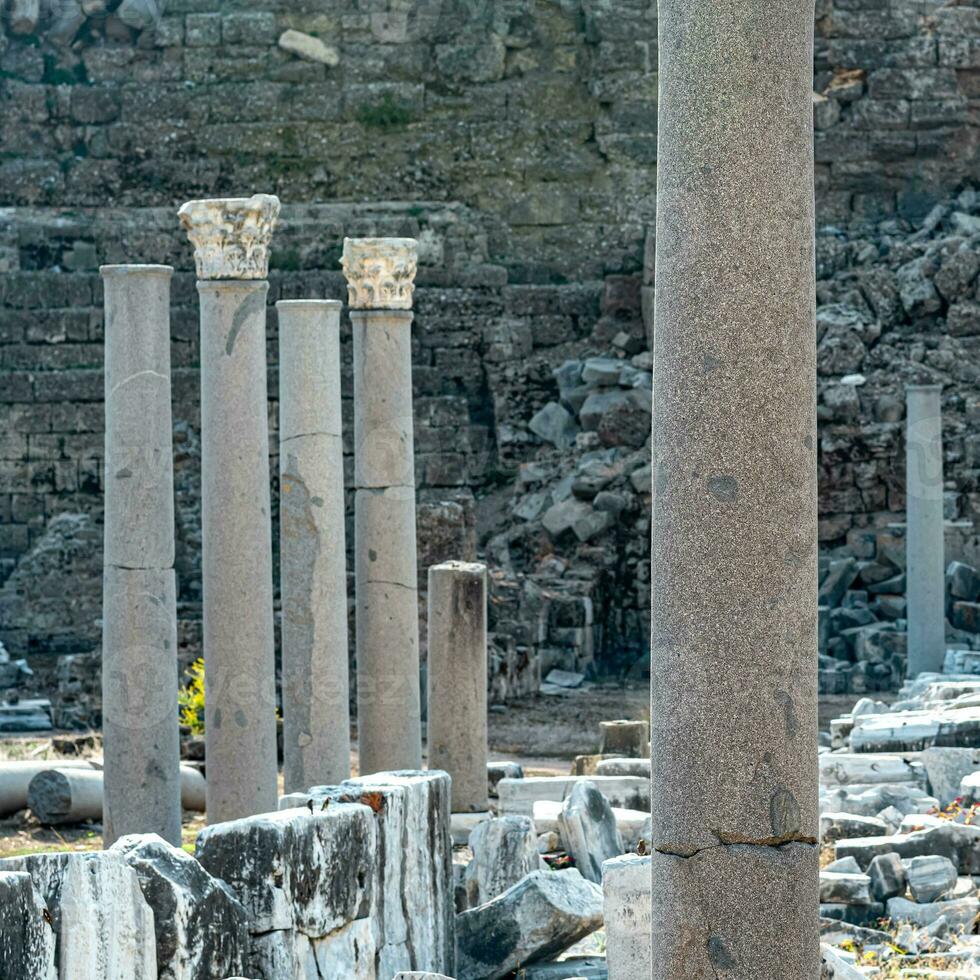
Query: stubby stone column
[734,563]
[139,631]
[457,680]
[313,560]
[231,239]
[925,544]
[380,281]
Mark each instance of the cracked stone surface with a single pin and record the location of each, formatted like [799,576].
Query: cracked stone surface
[701,905]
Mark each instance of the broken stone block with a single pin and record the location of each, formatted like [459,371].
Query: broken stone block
[501,770]
[26,938]
[413,906]
[103,925]
[930,877]
[588,828]
[309,48]
[537,918]
[840,577]
[844,866]
[844,889]
[519,795]
[627,915]
[966,616]
[838,826]
[626,739]
[202,930]
[296,870]
[833,965]
[868,801]
[140,14]
[602,371]
[844,768]
[959,914]
[887,877]
[970,789]
[945,769]
[504,851]
[963,581]
[959,842]
[554,424]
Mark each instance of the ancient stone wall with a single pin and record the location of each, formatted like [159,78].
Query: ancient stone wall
[520,139]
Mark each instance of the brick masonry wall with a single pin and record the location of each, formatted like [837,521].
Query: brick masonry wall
[520,138]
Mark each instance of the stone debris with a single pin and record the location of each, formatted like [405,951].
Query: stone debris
[520,795]
[587,825]
[202,930]
[888,876]
[310,48]
[627,915]
[543,914]
[930,877]
[27,940]
[504,851]
[103,925]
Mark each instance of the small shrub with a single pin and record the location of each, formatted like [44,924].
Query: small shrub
[191,699]
[385,114]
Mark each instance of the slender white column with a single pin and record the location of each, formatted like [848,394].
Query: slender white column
[734,590]
[925,544]
[139,631]
[380,278]
[457,680]
[231,240]
[313,560]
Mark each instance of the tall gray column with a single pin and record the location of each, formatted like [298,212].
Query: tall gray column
[457,680]
[231,239]
[380,281]
[734,562]
[139,619]
[312,554]
[925,544]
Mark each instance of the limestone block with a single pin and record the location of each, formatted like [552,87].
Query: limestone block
[231,236]
[842,769]
[846,889]
[786,876]
[26,938]
[412,906]
[930,877]
[293,870]
[946,768]
[519,795]
[628,916]
[588,827]
[202,930]
[833,965]
[623,767]
[501,770]
[837,826]
[504,851]
[380,272]
[959,842]
[347,952]
[869,800]
[140,14]
[960,913]
[541,915]
[887,877]
[104,927]
[23,15]
[309,48]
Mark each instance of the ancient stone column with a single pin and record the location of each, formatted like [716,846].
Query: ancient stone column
[231,239]
[734,562]
[313,559]
[457,680]
[380,281]
[925,544]
[139,600]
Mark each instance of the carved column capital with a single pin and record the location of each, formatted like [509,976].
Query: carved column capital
[380,272]
[231,235]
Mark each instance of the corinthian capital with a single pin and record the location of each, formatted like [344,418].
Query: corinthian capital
[231,235]
[380,272]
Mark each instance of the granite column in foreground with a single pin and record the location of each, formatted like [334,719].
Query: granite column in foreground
[139,631]
[925,543]
[734,562]
[313,559]
[231,239]
[457,680]
[380,280]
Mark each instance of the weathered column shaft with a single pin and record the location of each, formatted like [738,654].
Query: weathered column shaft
[379,274]
[734,589]
[313,559]
[925,529]
[139,632]
[231,239]
[457,680]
